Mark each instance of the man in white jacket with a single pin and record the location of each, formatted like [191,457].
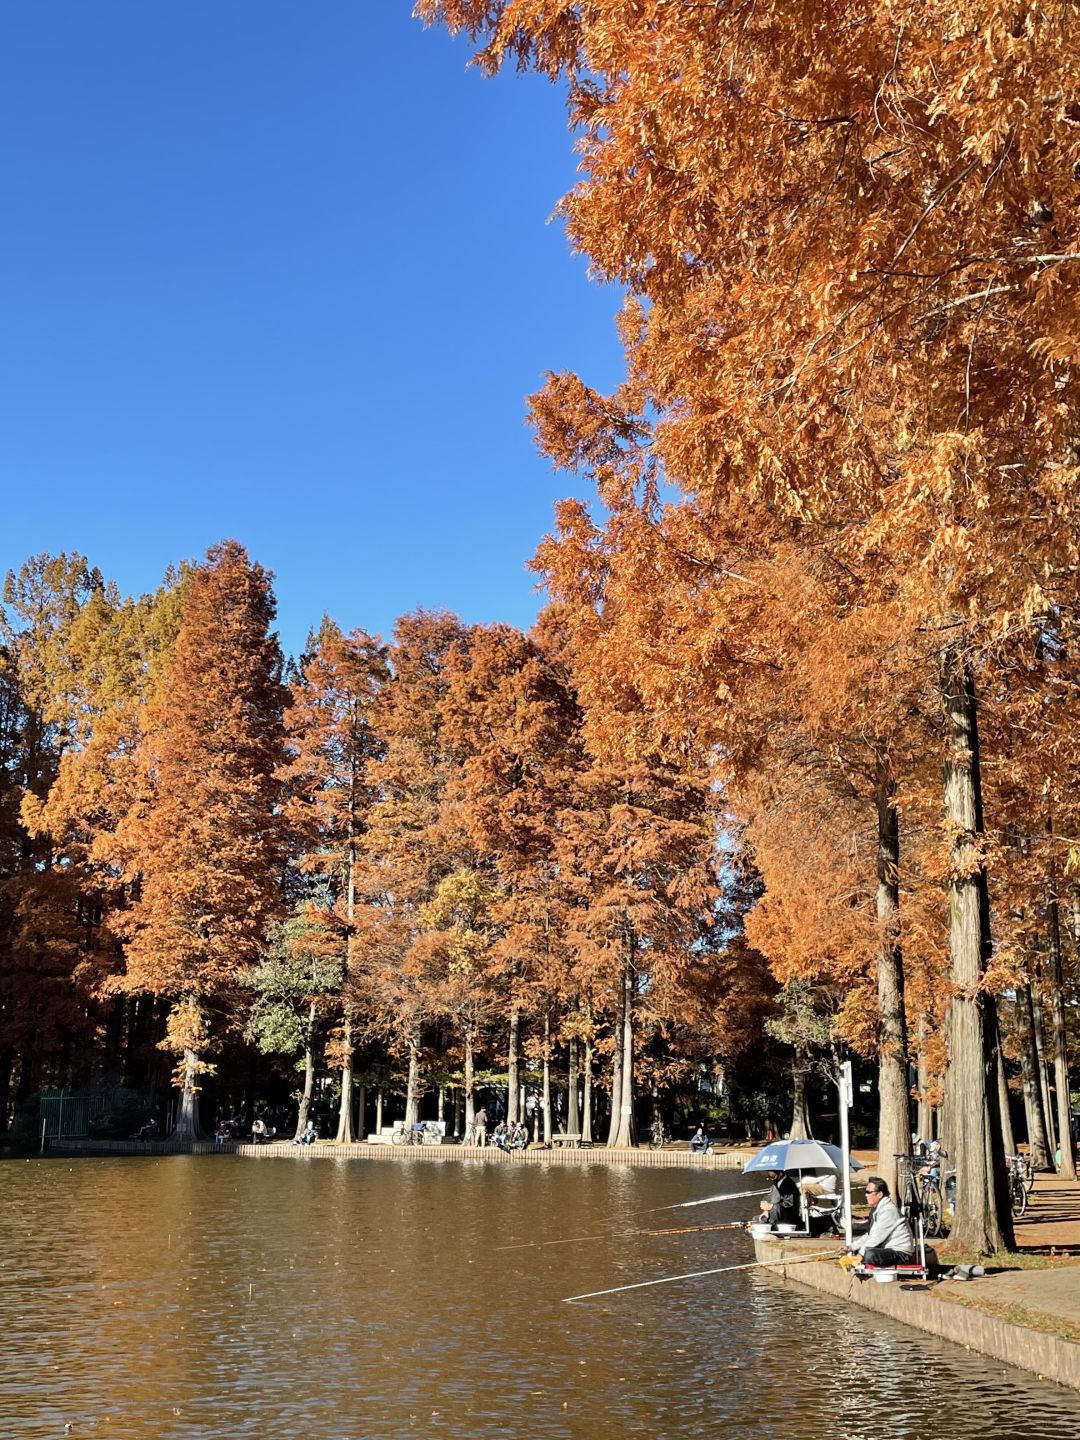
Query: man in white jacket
[889,1240]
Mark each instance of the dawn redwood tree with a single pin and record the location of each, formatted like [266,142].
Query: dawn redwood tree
[456,947]
[413,840]
[294,983]
[776,675]
[112,655]
[52,947]
[637,847]
[202,848]
[513,720]
[333,749]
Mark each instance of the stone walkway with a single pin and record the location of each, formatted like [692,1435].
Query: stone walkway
[1052,1221]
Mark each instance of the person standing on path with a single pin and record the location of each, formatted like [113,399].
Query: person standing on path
[480,1127]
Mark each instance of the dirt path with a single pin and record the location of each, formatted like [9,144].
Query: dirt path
[1052,1221]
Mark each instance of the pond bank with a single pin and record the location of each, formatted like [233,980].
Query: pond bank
[361,1150]
[1026,1318]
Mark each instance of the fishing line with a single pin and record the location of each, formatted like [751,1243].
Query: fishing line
[697,1274]
[656,1209]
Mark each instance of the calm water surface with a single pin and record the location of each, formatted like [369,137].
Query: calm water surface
[216,1298]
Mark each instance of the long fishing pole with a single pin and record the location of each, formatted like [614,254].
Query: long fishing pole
[697,1274]
[619,1234]
[616,1234]
[708,1200]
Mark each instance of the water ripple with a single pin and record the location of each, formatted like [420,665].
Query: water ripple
[210,1298]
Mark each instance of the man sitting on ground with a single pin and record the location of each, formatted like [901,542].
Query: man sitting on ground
[889,1240]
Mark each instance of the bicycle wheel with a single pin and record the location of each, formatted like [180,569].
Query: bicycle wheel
[399,1137]
[932,1206]
[1019,1198]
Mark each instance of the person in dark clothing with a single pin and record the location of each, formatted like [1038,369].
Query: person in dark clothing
[781,1204]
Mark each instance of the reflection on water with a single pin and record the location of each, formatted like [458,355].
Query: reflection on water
[214,1298]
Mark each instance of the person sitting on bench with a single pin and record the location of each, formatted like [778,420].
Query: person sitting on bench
[889,1240]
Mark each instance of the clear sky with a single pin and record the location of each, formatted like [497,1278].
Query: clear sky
[283,272]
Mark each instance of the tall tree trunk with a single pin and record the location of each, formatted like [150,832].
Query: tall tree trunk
[1044,1082]
[470,1108]
[513,1068]
[378,1111]
[459,1113]
[547,1078]
[115,1026]
[412,1085]
[617,1064]
[800,1114]
[187,1111]
[250,1089]
[1059,1037]
[894,1103]
[925,1123]
[128,1063]
[586,1099]
[1007,1138]
[7,1064]
[573,1113]
[361,1111]
[345,1135]
[189,1035]
[1038,1143]
[626,1130]
[983,1217]
[309,1074]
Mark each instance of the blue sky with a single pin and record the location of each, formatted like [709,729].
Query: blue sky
[283,272]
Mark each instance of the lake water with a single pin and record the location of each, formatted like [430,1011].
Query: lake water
[217,1298]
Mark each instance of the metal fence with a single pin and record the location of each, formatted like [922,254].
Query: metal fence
[64,1115]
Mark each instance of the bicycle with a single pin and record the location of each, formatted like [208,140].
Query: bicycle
[1029,1172]
[422,1132]
[659,1135]
[919,1183]
[1019,1174]
[928,1184]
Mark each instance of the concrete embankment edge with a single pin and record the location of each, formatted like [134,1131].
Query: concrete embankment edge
[489,1154]
[1049,1356]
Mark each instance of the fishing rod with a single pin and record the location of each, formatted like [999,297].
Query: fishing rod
[697,1274]
[708,1200]
[616,1234]
[619,1234]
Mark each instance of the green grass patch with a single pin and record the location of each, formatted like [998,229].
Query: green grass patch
[1003,1259]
